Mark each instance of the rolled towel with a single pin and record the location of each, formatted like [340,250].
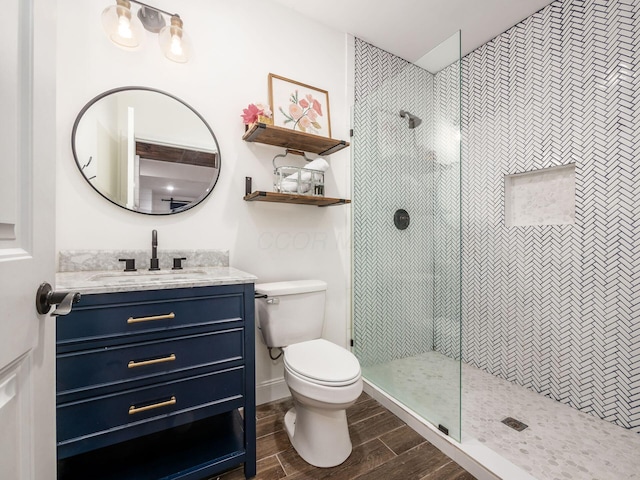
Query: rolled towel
[290,182]
[318,164]
[291,186]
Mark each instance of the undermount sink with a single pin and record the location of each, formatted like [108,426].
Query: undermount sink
[146,276]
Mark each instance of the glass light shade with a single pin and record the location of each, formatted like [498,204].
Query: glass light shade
[121,27]
[174,43]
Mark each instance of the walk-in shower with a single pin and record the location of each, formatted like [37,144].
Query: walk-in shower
[406,284]
[548,309]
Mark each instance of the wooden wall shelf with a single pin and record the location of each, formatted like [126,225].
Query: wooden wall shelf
[287,138]
[260,196]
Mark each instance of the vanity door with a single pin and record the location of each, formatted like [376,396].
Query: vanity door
[27,257]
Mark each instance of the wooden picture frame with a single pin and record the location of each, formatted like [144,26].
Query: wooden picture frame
[298,106]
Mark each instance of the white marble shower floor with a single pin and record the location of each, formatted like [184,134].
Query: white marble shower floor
[559,443]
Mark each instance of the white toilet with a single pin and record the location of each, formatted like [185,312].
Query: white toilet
[324,379]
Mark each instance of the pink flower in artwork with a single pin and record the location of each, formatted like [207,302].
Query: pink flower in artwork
[295,111]
[317,107]
[303,112]
[305,122]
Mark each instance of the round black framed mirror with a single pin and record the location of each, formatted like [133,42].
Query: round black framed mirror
[146,150]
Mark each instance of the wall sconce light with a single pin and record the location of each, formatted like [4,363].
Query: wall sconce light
[127,31]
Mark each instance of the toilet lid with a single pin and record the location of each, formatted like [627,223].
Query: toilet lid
[322,362]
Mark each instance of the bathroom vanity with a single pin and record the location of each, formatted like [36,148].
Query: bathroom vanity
[153,371]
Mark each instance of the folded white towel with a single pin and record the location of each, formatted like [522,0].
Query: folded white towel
[318,164]
[290,182]
[291,186]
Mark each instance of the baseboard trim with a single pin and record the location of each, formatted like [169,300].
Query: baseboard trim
[271,391]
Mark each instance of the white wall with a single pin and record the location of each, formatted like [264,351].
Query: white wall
[236,44]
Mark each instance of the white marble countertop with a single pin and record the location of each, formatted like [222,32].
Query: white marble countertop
[110,281]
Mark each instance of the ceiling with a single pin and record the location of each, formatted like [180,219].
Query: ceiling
[411,28]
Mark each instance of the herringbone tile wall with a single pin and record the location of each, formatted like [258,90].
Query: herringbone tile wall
[552,308]
[556,308]
[445,226]
[393,284]
[417,170]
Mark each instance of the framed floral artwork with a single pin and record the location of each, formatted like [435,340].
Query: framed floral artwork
[299,107]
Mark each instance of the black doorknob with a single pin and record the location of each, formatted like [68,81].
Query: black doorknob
[46,298]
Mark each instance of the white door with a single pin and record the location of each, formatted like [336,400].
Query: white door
[27,238]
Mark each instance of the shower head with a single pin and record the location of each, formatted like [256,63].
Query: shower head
[413,120]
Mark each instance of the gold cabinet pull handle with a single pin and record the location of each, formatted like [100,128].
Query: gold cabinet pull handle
[133,409]
[144,363]
[149,319]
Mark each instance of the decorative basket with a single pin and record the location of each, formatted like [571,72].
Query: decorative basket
[299,181]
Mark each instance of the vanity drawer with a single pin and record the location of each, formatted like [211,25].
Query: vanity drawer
[115,315]
[157,403]
[111,365]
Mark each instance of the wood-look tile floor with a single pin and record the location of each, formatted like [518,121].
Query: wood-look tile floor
[384,448]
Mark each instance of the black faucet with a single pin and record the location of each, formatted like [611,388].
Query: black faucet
[154,251]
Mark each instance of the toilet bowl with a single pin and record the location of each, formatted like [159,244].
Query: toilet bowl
[324,378]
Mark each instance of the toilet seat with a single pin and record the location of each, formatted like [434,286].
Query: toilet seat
[322,363]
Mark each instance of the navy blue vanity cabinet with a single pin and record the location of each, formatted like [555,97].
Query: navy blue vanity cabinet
[149,384]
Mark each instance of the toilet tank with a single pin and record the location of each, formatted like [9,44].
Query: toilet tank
[293,311]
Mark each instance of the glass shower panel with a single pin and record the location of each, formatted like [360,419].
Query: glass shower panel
[406,285]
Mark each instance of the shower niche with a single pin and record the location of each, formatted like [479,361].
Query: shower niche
[541,197]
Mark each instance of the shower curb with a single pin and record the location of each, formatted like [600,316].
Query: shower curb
[478,459]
